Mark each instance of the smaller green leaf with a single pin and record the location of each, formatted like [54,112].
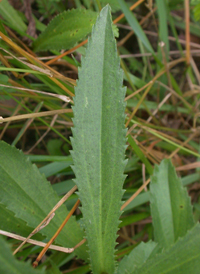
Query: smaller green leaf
[136,258]
[12,16]
[144,197]
[65,30]
[181,258]
[9,265]
[170,205]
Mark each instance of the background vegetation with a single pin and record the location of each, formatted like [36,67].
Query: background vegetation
[158,42]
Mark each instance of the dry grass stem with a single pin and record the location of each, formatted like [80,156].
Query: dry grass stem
[188,166]
[34,115]
[148,54]
[61,97]
[38,243]
[135,194]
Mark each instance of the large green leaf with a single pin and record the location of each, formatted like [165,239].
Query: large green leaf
[99,143]
[136,258]
[65,30]
[181,258]
[9,265]
[170,205]
[28,194]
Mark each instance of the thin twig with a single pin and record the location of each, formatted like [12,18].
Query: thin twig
[34,242]
[160,73]
[61,97]
[182,144]
[135,194]
[195,52]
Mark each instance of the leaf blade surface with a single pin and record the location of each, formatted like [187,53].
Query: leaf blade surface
[99,143]
[65,30]
[170,205]
[136,258]
[181,258]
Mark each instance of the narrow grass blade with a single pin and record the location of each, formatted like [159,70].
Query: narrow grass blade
[99,143]
[140,154]
[163,28]
[50,158]
[11,15]
[54,168]
[135,25]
